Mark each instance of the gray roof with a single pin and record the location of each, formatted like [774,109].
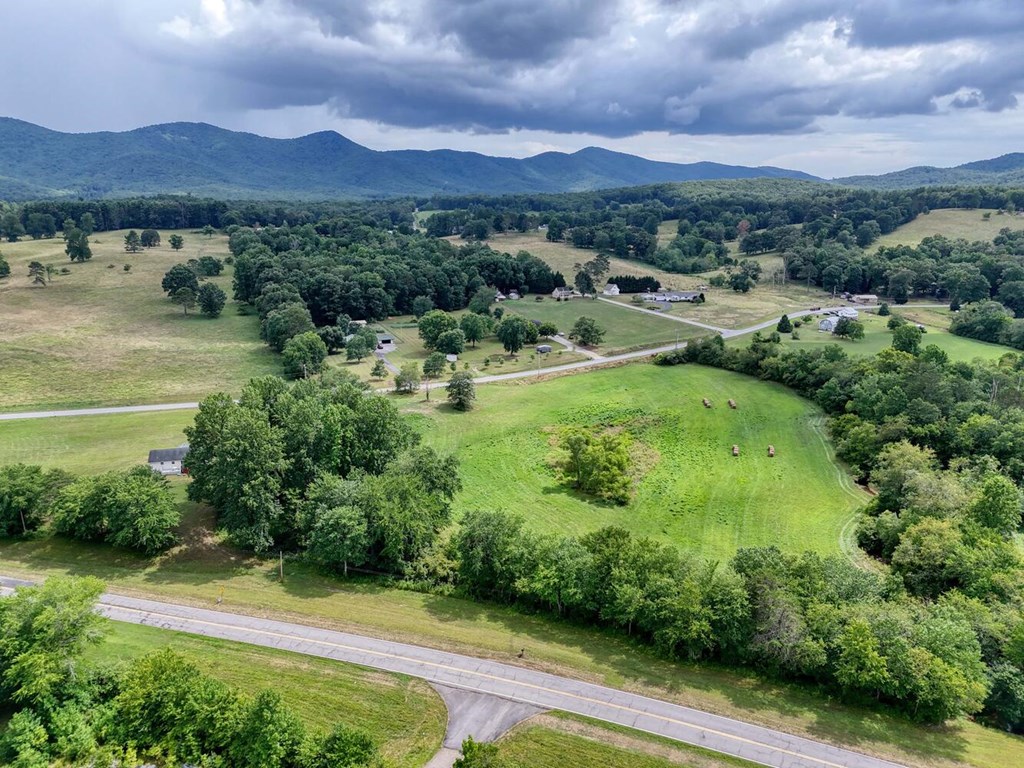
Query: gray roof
[168,454]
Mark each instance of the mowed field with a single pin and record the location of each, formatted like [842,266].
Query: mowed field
[404,716]
[969,224]
[724,308]
[103,336]
[693,492]
[877,336]
[625,329]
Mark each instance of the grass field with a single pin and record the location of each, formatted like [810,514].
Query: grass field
[877,336]
[953,223]
[547,740]
[91,444]
[624,329]
[103,336]
[695,494]
[404,716]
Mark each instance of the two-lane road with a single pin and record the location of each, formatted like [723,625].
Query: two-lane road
[519,684]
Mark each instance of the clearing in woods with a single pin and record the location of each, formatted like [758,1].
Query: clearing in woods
[693,492]
[968,223]
[103,336]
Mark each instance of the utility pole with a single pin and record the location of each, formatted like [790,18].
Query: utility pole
[280,565]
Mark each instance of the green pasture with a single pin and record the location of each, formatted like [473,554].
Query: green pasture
[625,329]
[877,336]
[103,336]
[968,223]
[694,493]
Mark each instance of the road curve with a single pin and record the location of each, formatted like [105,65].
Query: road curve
[720,734]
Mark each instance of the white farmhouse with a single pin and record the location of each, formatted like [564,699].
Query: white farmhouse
[169,461]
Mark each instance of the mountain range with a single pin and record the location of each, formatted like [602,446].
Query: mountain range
[204,160]
[1007,170]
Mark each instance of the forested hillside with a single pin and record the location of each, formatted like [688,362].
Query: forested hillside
[201,159]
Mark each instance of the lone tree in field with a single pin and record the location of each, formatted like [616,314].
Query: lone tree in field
[452,342]
[211,300]
[304,355]
[433,324]
[907,338]
[433,366]
[474,327]
[849,329]
[587,332]
[408,379]
[76,245]
[785,325]
[461,391]
[179,276]
[149,238]
[208,230]
[176,241]
[37,272]
[596,464]
[514,333]
[379,370]
[185,298]
[132,242]
[357,349]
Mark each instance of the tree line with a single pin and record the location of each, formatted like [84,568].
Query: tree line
[158,708]
[941,444]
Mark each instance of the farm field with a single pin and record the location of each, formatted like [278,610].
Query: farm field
[625,330]
[877,336]
[695,494]
[951,222]
[91,444]
[103,336]
[404,716]
[561,257]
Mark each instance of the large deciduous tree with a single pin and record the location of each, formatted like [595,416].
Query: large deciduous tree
[177,277]
[76,245]
[211,299]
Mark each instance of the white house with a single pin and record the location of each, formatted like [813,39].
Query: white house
[169,461]
[565,293]
[499,296]
[828,324]
[611,290]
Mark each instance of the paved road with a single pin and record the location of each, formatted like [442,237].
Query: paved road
[594,361]
[505,681]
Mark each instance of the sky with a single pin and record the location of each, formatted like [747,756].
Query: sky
[829,87]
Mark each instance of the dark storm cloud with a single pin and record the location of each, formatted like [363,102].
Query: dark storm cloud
[610,67]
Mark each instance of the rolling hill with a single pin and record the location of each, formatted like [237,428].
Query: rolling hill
[202,159]
[1003,170]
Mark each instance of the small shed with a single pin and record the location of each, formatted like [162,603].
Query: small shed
[499,296]
[169,461]
[828,324]
[513,296]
